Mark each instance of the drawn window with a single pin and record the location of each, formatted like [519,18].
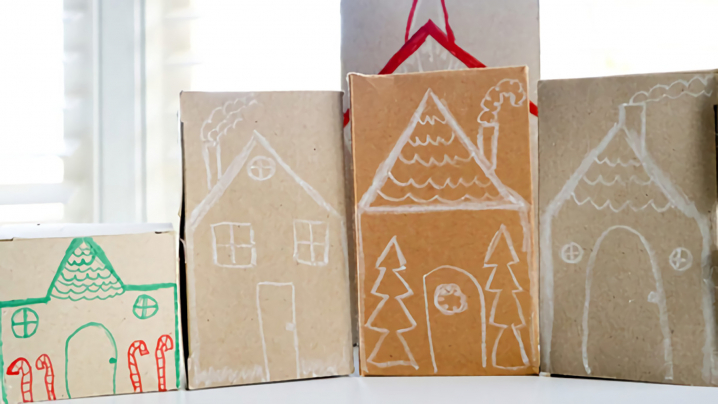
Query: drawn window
[261,168]
[572,253]
[145,307]
[311,242]
[680,259]
[24,323]
[234,245]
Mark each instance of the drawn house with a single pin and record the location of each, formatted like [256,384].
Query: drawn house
[437,192]
[78,339]
[270,236]
[429,45]
[651,244]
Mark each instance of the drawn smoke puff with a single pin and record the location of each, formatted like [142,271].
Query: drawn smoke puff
[222,119]
[695,87]
[506,89]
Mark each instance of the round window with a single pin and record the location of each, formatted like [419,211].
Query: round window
[145,307]
[449,299]
[571,253]
[24,323]
[680,259]
[261,168]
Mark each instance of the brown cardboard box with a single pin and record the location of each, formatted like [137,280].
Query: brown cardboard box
[628,186]
[446,272]
[265,237]
[406,36]
[88,310]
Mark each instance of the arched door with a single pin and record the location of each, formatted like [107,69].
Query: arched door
[625,310]
[455,319]
[90,361]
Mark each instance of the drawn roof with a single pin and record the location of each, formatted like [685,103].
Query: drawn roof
[85,273]
[444,39]
[236,166]
[435,167]
[622,158]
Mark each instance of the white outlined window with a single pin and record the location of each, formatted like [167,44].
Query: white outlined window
[680,259]
[571,253]
[311,242]
[261,168]
[234,245]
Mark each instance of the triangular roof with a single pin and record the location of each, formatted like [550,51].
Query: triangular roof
[85,273]
[445,39]
[236,167]
[642,158]
[506,198]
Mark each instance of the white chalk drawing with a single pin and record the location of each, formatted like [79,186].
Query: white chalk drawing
[657,296]
[235,247]
[210,376]
[497,285]
[681,259]
[571,253]
[290,326]
[220,120]
[458,272]
[443,293]
[311,242]
[261,168]
[488,119]
[629,137]
[392,246]
[393,192]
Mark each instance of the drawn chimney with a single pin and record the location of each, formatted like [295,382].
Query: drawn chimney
[213,162]
[425,10]
[634,121]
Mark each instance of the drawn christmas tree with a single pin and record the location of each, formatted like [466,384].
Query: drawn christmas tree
[86,274]
[391,317]
[506,312]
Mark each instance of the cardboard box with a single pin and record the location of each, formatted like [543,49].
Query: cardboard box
[265,237]
[406,36]
[628,188]
[444,226]
[88,310]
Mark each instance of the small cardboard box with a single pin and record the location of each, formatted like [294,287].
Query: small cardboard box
[628,188]
[265,237]
[407,36]
[88,310]
[444,226]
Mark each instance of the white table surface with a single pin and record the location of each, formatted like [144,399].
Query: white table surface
[431,390]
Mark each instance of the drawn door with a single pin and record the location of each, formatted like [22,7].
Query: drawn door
[625,310]
[456,320]
[91,361]
[278,328]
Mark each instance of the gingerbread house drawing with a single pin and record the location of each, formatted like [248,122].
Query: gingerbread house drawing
[271,240]
[88,334]
[652,246]
[434,188]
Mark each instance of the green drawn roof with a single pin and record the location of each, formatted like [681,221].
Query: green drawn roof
[85,273]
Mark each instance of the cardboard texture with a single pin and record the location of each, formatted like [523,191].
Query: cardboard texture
[87,315]
[406,36]
[628,187]
[444,227]
[265,233]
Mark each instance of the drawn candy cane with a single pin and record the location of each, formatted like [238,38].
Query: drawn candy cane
[21,366]
[132,363]
[43,362]
[164,344]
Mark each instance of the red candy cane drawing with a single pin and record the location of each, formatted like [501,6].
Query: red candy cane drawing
[164,344]
[21,366]
[132,363]
[43,362]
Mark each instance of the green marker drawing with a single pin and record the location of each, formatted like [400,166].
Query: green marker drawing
[112,360]
[86,274]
